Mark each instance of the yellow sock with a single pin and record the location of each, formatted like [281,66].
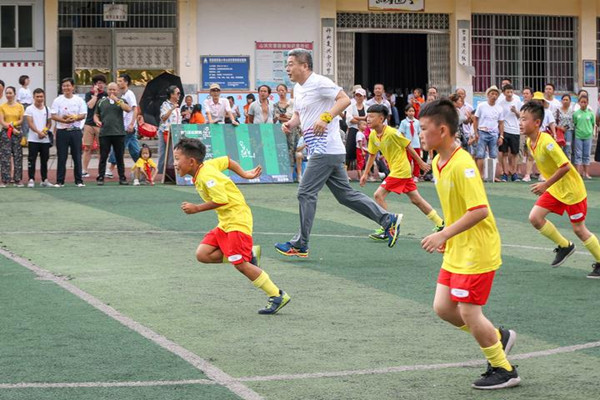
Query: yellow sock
[593,247]
[435,218]
[266,284]
[550,231]
[495,355]
[466,329]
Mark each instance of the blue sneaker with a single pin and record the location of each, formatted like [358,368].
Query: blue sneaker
[393,229]
[275,303]
[290,251]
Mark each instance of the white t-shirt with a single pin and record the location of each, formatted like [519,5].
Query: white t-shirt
[501,97]
[255,110]
[217,111]
[316,96]
[129,97]
[360,136]
[372,101]
[548,119]
[62,107]
[488,117]
[467,128]
[511,121]
[555,104]
[24,96]
[40,117]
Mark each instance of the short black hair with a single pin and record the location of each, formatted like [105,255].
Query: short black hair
[441,112]
[38,90]
[506,79]
[527,88]
[534,108]
[507,87]
[231,98]
[126,78]
[22,79]
[550,84]
[68,79]
[197,108]
[192,148]
[98,78]
[379,109]
[2,83]
[145,146]
[11,88]
[250,96]
[566,95]
[262,86]
[171,89]
[284,86]
[408,107]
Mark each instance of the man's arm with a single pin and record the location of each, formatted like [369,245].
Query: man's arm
[342,101]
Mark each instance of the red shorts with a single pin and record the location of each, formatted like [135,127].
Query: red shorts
[474,289]
[399,185]
[576,212]
[235,245]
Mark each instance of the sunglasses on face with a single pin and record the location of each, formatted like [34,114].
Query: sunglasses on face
[215,90]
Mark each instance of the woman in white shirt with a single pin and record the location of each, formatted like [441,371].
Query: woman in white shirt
[356,112]
[169,114]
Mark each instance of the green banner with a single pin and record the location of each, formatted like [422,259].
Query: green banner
[248,144]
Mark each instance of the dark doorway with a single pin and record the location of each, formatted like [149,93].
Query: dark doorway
[65,54]
[397,60]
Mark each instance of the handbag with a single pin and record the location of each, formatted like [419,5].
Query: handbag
[560,136]
[147,130]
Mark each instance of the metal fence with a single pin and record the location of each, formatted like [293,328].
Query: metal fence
[530,50]
[144,14]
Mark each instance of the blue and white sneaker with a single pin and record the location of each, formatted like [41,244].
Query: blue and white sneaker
[393,229]
[275,304]
[287,249]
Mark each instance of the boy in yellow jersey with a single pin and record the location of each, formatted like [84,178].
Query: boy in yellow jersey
[470,243]
[394,147]
[562,191]
[232,238]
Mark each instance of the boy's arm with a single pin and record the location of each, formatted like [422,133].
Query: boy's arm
[541,187]
[190,208]
[471,218]
[424,166]
[370,162]
[251,174]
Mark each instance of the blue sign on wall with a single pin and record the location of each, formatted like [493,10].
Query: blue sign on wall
[231,72]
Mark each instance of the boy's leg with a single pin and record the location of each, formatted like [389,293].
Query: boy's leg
[380,195]
[209,254]
[537,217]
[422,204]
[447,309]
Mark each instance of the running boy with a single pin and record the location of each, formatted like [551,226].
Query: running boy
[394,147]
[562,191]
[232,238]
[470,243]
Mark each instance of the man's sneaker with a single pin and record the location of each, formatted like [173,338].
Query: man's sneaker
[2,185]
[515,178]
[136,182]
[275,303]
[288,250]
[255,256]
[31,183]
[18,184]
[393,229]
[47,183]
[526,178]
[80,184]
[109,175]
[497,378]
[595,274]
[508,337]
[85,174]
[379,234]
[100,182]
[123,182]
[562,253]
[504,178]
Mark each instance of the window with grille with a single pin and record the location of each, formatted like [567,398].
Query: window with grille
[16,26]
[140,14]
[529,50]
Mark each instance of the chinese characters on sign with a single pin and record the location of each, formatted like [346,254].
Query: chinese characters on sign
[327,48]
[271,60]
[115,12]
[230,72]
[464,43]
[397,5]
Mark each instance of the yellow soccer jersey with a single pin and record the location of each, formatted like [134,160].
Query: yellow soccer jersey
[214,185]
[392,145]
[460,189]
[141,163]
[549,157]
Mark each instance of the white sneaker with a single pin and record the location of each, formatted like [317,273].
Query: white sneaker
[2,185]
[109,175]
[136,182]
[47,183]
[85,174]
[526,178]
[31,183]
[81,184]
[19,184]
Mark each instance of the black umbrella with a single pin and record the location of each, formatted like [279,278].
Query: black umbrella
[155,94]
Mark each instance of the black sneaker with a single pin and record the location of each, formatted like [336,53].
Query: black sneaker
[508,338]
[595,274]
[100,182]
[562,253]
[123,182]
[497,378]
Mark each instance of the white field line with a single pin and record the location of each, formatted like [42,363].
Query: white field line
[282,234]
[315,375]
[209,370]
[25,385]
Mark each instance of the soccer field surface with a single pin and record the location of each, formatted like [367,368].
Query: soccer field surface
[102,298]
